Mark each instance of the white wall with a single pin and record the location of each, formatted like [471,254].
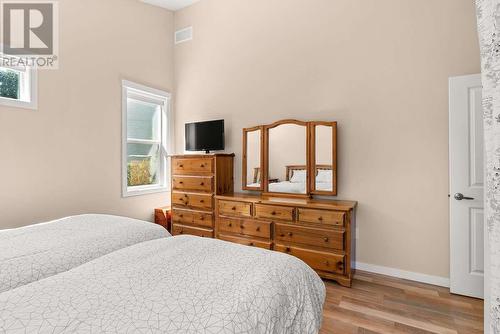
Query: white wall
[378,67]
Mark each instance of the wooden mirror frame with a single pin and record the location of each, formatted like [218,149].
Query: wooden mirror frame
[244,170]
[314,167]
[265,173]
[310,159]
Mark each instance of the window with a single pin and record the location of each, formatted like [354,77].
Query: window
[18,86]
[146,139]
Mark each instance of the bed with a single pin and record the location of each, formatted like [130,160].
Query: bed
[182,284]
[38,251]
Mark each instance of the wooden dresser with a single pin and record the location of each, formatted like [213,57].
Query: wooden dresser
[320,232]
[196,179]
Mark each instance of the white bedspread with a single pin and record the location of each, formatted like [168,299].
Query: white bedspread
[34,252]
[173,285]
[296,187]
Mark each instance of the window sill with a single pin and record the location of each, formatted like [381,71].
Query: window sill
[17,103]
[144,190]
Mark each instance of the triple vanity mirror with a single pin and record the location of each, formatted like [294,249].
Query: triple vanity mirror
[291,158]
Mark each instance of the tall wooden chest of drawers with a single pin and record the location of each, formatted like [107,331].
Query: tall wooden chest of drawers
[319,232]
[196,179]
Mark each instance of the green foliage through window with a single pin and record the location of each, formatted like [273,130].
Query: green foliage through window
[139,173]
[9,84]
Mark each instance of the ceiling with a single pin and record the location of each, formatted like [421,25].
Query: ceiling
[171,4]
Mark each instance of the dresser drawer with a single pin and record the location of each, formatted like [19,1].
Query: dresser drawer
[274,212]
[333,239]
[195,201]
[200,232]
[246,241]
[199,183]
[333,263]
[184,217]
[192,165]
[322,217]
[237,209]
[250,227]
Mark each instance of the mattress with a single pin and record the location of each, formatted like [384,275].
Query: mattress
[34,252]
[183,284]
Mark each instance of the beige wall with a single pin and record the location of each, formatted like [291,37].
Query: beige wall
[378,67]
[65,158]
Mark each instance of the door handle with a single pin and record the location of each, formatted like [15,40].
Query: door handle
[459,197]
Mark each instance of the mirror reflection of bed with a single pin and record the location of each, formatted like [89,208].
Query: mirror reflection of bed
[294,182]
[288,148]
[285,152]
[323,158]
[253,156]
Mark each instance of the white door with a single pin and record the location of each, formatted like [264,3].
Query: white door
[466,187]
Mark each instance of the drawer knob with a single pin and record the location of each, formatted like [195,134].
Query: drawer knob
[233,208]
[202,218]
[202,201]
[288,250]
[273,213]
[251,244]
[202,166]
[327,263]
[282,235]
[230,224]
[320,219]
[202,184]
[258,229]
[181,166]
[290,234]
[242,226]
[180,182]
[326,239]
[185,195]
[340,265]
[182,216]
[181,232]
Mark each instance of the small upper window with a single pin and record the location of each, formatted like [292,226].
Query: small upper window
[146,139]
[18,87]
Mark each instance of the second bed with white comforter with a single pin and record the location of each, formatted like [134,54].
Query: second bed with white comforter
[172,285]
[34,252]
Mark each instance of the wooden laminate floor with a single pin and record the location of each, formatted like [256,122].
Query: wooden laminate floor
[381,304]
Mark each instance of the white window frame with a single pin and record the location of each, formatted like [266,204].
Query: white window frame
[166,142]
[28,82]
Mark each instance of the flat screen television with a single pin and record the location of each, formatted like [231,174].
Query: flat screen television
[205,136]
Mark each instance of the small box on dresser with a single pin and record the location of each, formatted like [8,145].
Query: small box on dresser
[196,179]
[319,232]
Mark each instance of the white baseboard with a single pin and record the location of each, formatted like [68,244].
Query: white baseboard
[409,275]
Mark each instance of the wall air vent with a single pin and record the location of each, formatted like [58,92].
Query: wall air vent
[183,35]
